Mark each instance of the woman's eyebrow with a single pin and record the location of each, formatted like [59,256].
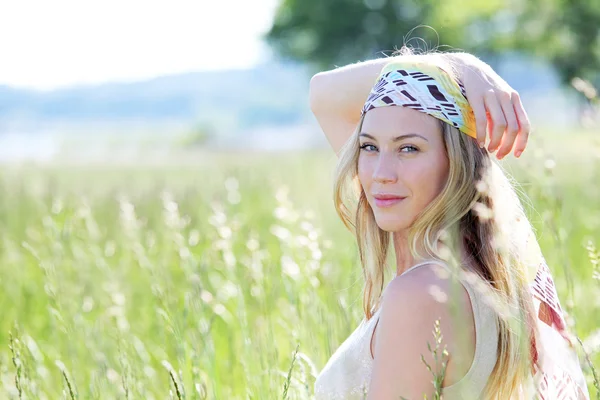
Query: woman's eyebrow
[397,138]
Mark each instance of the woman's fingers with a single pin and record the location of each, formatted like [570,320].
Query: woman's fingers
[499,122]
[497,110]
[512,126]
[525,126]
[480,120]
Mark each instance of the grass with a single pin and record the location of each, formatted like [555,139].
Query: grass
[230,278]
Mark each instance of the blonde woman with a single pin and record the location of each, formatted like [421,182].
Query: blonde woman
[413,173]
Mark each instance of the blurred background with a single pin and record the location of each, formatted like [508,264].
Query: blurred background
[138,81]
[166,223]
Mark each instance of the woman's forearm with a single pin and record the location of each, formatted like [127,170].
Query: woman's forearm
[344,90]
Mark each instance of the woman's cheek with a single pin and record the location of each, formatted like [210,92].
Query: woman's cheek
[364,172]
[434,177]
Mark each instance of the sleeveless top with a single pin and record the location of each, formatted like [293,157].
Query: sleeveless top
[348,372]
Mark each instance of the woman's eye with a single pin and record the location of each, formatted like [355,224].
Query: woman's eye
[364,146]
[412,149]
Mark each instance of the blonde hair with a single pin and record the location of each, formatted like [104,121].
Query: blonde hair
[477,207]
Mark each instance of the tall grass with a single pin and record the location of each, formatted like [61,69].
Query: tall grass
[228,279]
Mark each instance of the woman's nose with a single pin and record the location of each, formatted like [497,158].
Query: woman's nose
[385,170]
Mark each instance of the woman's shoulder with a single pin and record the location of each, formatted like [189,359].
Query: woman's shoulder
[415,301]
[424,295]
[433,275]
[435,287]
[441,274]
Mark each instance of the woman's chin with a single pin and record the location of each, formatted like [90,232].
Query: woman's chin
[390,225]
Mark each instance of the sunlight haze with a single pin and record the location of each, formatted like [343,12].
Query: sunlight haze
[46,45]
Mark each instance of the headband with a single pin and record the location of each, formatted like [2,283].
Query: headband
[429,88]
[423,87]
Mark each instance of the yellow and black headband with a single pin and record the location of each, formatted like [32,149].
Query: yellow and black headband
[424,87]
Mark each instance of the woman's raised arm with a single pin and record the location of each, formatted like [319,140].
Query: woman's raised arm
[337,96]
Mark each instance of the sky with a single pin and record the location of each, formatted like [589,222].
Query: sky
[46,45]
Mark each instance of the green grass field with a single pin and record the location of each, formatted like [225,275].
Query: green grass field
[201,281]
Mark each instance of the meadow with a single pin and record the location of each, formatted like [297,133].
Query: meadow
[230,277]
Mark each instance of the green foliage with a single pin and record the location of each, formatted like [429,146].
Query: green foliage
[441,362]
[566,32]
[229,279]
[339,32]
[440,358]
[343,31]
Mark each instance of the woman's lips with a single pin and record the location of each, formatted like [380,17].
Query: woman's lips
[388,202]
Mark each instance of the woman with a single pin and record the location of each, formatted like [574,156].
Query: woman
[418,174]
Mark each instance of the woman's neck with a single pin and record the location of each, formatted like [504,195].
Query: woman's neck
[404,259]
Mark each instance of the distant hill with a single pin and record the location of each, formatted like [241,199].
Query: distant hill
[269,94]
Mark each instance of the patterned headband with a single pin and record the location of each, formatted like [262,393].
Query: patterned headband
[423,87]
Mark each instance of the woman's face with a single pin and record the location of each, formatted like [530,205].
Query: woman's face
[402,153]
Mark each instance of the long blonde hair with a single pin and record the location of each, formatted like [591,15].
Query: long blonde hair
[478,207]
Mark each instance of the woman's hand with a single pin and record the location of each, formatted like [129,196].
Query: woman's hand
[494,104]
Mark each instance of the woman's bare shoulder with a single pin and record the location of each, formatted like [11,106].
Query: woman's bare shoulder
[410,307]
[428,288]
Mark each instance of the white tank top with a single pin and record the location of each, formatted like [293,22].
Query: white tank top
[348,372]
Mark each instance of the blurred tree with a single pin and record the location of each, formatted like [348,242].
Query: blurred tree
[326,33]
[566,32]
